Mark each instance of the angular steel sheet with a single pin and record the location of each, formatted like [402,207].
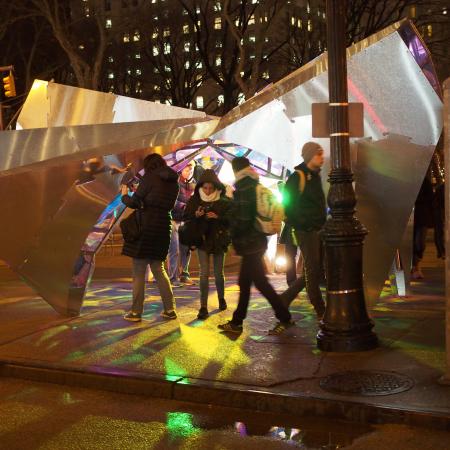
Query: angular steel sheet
[59,173]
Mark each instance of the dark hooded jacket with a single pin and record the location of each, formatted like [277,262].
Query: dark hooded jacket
[158,191]
[305,211]
[215,232]
[245,237]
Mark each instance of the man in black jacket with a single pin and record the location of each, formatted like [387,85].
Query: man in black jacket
[305,209]
[251,244]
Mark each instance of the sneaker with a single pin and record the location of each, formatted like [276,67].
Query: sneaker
[230,327]
[132,317]
[280,328]
[222,304]
[203,314]
[176,284]
[169,314]
[187,281]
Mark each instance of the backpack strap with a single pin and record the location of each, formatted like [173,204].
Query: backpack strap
[301,181]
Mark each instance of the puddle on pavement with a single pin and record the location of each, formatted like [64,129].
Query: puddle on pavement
[300,432]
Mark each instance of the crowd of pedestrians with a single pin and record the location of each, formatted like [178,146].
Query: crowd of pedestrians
[179,214]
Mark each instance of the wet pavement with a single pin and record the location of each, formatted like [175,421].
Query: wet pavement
[190,360]
[39,415]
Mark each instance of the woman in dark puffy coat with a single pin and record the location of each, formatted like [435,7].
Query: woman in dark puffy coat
[209,208]
[157,192]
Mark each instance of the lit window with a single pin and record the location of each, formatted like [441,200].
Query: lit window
[110,59]
[266,39]
[155,17]
[430,30]
[299,23]
[217,23]
[185,28]
[199,23]
[138,72]
[167,69]
[292,20]
[241,98]
[126,37]
[220,99]
[254,1]
[129,71]
[218,61]
[155,51]
[155,34]
[199,101]
[110,75]
[81,47]
[197,10]
[136,36]
[108,23]
[199,65]
[217,7]
[266,75]
[137,56]
[187,64]
[166,48]
[187,46]
[252,56]
[156,88]
[310,25]
[251,21]
[166,32]
[155,70]
[252,39]
[153,1]
[308,8]
[444,10]
[218,44]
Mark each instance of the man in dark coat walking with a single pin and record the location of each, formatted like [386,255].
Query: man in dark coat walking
[156,193]
[251,244]
[305,209]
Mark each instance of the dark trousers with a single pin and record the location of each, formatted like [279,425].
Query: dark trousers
[253,271]
[290,251]
[311,247]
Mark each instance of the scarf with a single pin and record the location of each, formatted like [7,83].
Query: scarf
[211,197]
[246,172]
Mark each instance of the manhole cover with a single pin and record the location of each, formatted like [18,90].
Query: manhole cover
[366,382]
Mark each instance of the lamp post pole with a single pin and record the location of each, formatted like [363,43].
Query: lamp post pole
[346,326]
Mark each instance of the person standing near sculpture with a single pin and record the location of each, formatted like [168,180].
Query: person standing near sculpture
[179,254]
[305,209]
[208,209]
[155,197]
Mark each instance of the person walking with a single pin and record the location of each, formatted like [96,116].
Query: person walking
[179,254]
[208,208]
[156,194]
[251,244]
[305,209]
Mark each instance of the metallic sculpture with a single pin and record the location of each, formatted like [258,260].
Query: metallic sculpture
[60,170]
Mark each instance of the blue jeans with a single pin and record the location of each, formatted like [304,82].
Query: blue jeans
[218,262]
[162,281]
[177,253]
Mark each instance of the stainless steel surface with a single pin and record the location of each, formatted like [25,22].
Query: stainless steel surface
[388,176]
[68,134]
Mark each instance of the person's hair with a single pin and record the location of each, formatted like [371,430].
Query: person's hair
[239,163]
[154,161]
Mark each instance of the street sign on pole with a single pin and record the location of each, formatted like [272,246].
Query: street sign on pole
[321,119]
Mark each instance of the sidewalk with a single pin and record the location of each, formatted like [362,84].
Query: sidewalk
[190,360]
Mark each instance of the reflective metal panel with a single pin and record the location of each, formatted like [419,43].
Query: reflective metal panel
[60,179]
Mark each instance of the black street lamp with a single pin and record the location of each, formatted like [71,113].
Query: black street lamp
[345,327]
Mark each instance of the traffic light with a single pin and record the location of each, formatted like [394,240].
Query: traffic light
[9,86]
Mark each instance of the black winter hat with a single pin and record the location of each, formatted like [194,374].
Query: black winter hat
[209,176]
[239,163]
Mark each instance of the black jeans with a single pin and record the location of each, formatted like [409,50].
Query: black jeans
[311,247]
[290,251]
[253,271]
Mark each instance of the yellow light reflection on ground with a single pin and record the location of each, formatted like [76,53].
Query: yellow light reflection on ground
[94,432]
[15,415]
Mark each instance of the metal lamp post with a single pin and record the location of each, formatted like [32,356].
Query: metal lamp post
[346,326]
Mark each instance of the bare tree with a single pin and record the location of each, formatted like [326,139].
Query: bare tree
[223,31]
